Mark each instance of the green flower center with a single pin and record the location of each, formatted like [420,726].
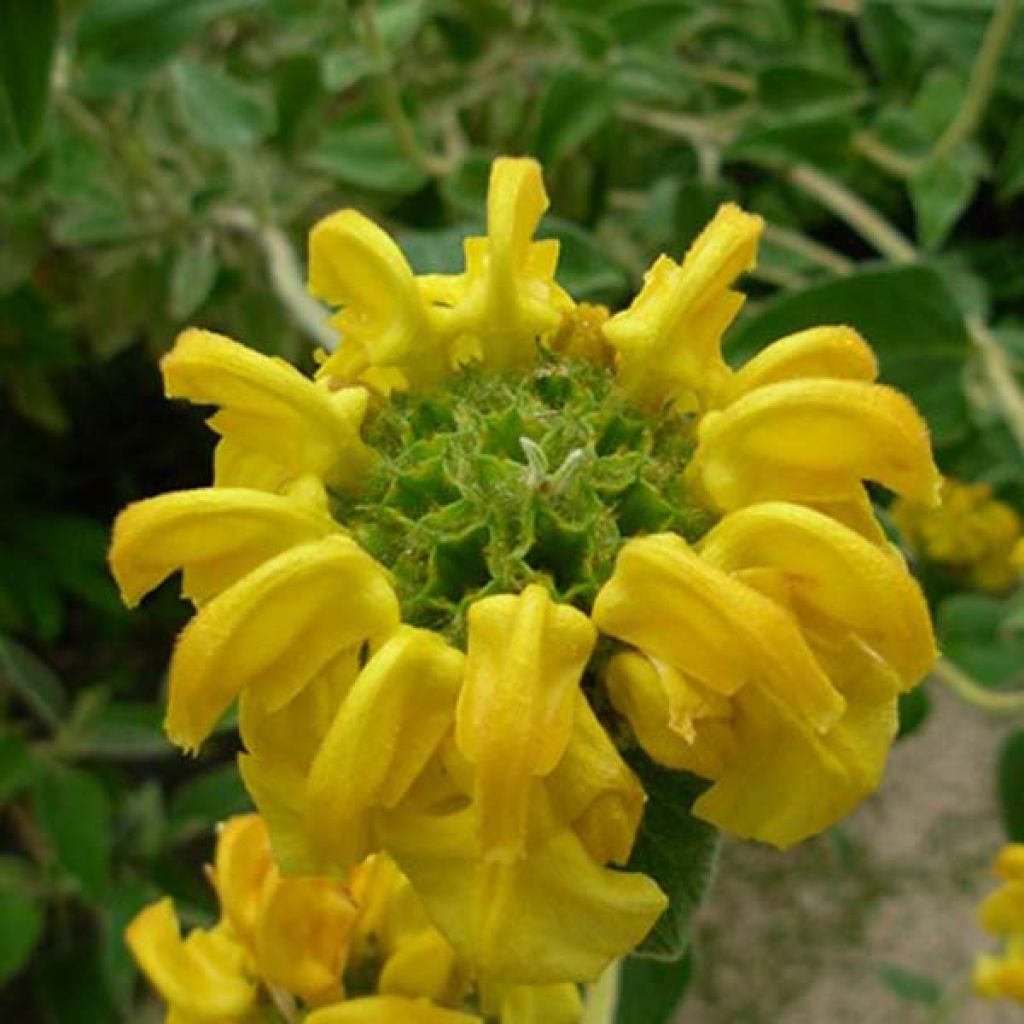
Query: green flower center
[504,479]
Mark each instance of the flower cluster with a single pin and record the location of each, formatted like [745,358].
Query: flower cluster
[501,537]
[360,950]
[1002,914]
[971,534]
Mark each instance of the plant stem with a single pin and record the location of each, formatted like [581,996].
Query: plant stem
[886,158]
[603,997]
[285,274]
[391,99]
[982,81]
[969,690]
[849,206]
[809,248]
[1000,377]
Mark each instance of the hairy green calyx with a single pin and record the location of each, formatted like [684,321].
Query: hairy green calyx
[504,479]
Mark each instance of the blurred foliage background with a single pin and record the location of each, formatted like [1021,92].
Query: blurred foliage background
[161,162]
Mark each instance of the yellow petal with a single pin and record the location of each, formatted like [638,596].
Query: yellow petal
[508,296]
[595,791]
[666,600]
[1010,862]
[526,656]
[395,715]
[273,630]
[640,691]
[1002,911]
[838,352]
[242,864]
[302,941]
[355,265]
[217,535]
[787,782]
[290,736]
[552,916]
[423,965]
[267,406]
[996,976]
[813,440]
[202,976]
[533,1004]
[834,571]
[668,342]
[278,791]
[389,1010]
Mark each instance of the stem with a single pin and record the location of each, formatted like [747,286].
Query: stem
[848,206]
[285,274]
[982,81]
[603,997]
[391,99]
[969,690]
[1000,376]
[809,248]
[284,1003]
[886,158]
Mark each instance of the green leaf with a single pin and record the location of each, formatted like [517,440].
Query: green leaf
[220,111]
[124,732]
[344,68]
[21,917]
[1011,785]
[73,812]
[910,319]
[573,108]
[584,267]
[17,766]
[675,849]
[208,798]
[910,986]
[651,991]
[193,274]
[363,152]
[121,42]
[28,39]
[119,969]
[940,193]
[71,986]
[1011,168]
[914,709]
[33,681]
[980,634]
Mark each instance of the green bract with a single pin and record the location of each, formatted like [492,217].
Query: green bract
[502,479]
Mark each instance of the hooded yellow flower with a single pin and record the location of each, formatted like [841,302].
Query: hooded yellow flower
[362,950]
[1002,914]
[501,537]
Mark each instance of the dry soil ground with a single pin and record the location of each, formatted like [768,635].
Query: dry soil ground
[806,937]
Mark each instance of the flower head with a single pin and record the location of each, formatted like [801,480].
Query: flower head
[499,539]
[1002,914]
[971,535]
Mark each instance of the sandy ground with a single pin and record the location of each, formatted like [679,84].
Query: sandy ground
[806,937]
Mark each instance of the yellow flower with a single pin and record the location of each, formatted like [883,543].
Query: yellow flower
[267,408]
[390,1010]
[1002,914]
[202,978]
[401,331]
[669,342]
[296,930]
[970,533]
[804,421]
[552,534]
[772,656]
[305,937]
